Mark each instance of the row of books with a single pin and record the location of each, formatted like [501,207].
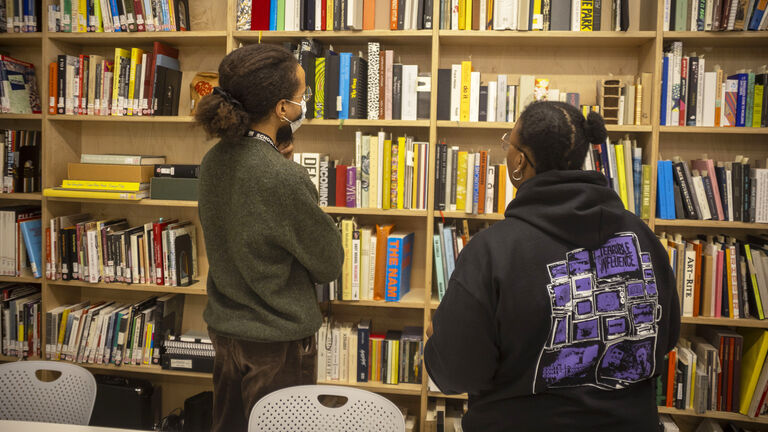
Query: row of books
[377,264]
[690,96]
[714,15]
[709,190]
[716,370]
[466,181]
[385,174]
[20,16]
[80,16]
[334,15]
[110,332]
[448,241]
[353,353]
[134,83]
[161,252]
[626,103]
[20,241]
[555,15]
[621,162]
[720,276]
[20,313]
[348,86]
[20,161]
[19,93]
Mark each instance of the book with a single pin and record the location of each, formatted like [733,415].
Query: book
[110,159]
[399,251]
[72,193]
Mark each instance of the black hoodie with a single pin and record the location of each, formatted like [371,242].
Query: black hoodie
[556,317]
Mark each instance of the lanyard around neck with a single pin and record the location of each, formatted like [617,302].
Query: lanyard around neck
[262,136]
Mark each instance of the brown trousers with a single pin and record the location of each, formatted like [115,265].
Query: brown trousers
[246,371]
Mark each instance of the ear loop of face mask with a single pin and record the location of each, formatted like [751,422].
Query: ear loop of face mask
[296,124]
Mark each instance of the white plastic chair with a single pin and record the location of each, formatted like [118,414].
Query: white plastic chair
[298,409]
[68,399]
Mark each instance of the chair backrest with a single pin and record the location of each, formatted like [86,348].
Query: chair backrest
[68,399]
[298,409]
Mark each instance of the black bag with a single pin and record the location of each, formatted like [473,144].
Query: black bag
[127,403]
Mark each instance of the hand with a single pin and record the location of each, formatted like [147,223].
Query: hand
[287,151]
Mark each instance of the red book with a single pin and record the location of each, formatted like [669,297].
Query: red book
[260,15]
[341,186]
[720,375]
[82,74]
[729,395]
[157,236]
[671,378]
[138,12]
[323,14]
[685,84]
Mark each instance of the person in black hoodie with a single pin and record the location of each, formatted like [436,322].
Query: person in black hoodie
[559,316]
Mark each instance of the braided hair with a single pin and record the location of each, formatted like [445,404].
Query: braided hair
[558,136]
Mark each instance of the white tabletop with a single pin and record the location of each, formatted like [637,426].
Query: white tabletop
[26,426]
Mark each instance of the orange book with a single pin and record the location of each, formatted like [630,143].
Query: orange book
[393,15]
[483,181]
[53,87]
[382,233]
[671,378]
[697,280]
[502,186]
[369,14]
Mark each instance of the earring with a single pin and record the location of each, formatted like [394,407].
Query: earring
[517,175]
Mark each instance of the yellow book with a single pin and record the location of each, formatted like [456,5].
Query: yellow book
[461,182]
[117,101]
[463,14]
[329,14]
[386,175]
[347,226]
[90,194]
[753,277]
[62,330]
[619,148]
[502,187]
[373,178]
[82,19]
[587,19]
[538,18]
[136,55]
[104,185]
[401,155]
[755,348]
[466,74]
[468,15]
[147,345]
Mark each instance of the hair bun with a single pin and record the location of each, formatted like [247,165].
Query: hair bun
[594,128]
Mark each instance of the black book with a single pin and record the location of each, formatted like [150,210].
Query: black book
[337,21]
[746,193]
[323,186]
[397,91]
[678,202]
[308,64]
[672,13]
[443,94]
[332,70]
[723,187]
[560,15]
[683,181]
[61,78]
[423,91]
[624,19]
[483,108]
[331,183]
[441,165]
[401,14]
[693,85]
[168,99]
[177,171]
[420,15]
[344,6]
[27,176]
[737,183]
[358,88]
[597,6]
[310,14]
[428,9]
[303,10]
[496,189]
[182,15]
[184,260]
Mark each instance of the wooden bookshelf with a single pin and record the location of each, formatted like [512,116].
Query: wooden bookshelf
[461,215]
[26,277]
[122,119]
[386,36]
[718,39]
[709,224]
[400,389]
[36,196]
[10,116]
[713,130]
[196,289]
[726,322]
[598,39]
[368,123]
[719,415]
[462,396]
[21,39]
[190,38]
[143,202]
[414,299]
[374,212]
[510,125]
[146,369]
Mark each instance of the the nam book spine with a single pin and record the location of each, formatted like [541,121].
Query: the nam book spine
[398,272]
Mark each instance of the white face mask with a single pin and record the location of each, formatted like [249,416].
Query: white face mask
[296,124]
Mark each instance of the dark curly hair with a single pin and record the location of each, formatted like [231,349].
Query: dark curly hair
[558,136]
[256,78]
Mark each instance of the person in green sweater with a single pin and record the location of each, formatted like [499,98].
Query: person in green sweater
[268,242]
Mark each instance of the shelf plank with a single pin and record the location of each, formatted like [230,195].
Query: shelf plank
[377,387]
[364,122]
[691,223]
[720,415]
[714,130]
[196,289]
[123,119]
[414,299]
[719,39]
[145,369]
[5,358]
[145,202]
[374,212]
[26,277]
[11,116]
[36,196]
[462,215]
[548,38]
[727,322]
[389,36]
[189,38]
[462,396]
[25,39]
[510,125]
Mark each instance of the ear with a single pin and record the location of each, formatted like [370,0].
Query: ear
[280,109]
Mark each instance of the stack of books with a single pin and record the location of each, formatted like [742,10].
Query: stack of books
[713,190]
[562,15]
[714,15]
[386,174]
[691,96]
[20,16]
[20,324]
[357,354]
[108,176]
[19,93]
[20,164]
[133,83]
[175,182]
[377,264]
[113,333]
[79,16]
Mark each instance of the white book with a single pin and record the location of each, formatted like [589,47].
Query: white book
[408,16]
[553,95]
[455,92]
[694,12]
[612,164]
[701,196]
[677,55]
[629,105]
[470,182]
[351,5]
[414,14]
[729,185]
[356,265]
[372,268]
[365,262]
[321,352]
[575,15]
[668,95]
[761,195]
[140,103]
[490,185]
[708,16]
[621,114]
[483,15]
[380,174]
[508,11]
[522,15]
[474,96]
[764,22]
[409,98]
[290,7]
[335,345]
[358,166]
[589,163]
[501,98]
[93,256]
[454,14]
[512,103]
[734,280]
[710,93]
[311,162]
[491,108]
[689,279]
[365,172]
[700,93]
[667,9]
[525,93]
[732,15]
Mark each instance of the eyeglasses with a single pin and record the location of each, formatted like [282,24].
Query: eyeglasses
[506,142]
[307,94]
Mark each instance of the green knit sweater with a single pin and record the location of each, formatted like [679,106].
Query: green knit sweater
[267,242]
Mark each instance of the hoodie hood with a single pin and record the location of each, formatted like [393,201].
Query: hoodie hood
[571,206]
